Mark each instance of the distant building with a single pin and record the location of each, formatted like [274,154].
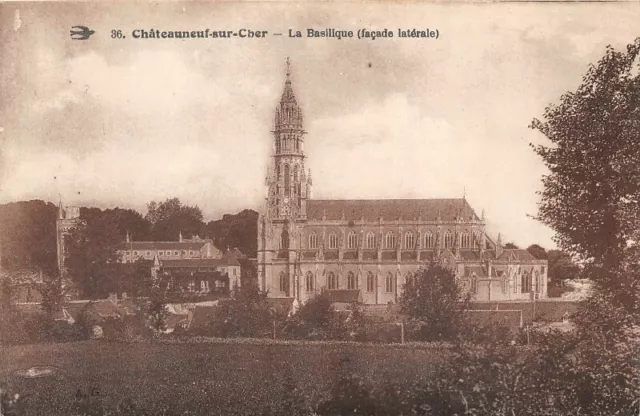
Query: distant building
[372,247]
[183,249]
[194,263]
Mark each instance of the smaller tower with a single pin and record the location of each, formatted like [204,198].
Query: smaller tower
[68,219]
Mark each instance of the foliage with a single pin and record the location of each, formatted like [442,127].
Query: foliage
[156,309]
[170,218]
[511,245]
[246,314]
[52,297]
[236,231]
[28,237]
[92,254]
[434,298]
[537,251]
[591,194]
[135,278]
[316,319]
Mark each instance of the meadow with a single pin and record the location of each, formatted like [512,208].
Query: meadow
[99,377]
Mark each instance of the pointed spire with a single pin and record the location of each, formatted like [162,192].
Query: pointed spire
[287,94]
[180,236]
[128,237]
[499,240]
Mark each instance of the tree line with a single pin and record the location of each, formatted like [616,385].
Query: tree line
[28,229]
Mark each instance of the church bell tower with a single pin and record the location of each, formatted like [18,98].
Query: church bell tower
[288,187]
[287,182]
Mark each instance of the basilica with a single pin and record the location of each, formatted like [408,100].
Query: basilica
[365,250]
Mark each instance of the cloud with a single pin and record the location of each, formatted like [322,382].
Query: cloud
[392,149]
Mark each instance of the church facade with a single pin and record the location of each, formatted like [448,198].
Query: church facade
[367,249]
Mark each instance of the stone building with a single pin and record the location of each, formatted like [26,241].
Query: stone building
[68,219]
[371,247]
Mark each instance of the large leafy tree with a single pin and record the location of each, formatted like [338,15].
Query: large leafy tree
[591,198]
[170,218]
[28,236]
[236,231]
[91,257]
[592,192]
[434,298]
[537,251]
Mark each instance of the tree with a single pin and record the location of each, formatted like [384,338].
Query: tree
[236,231]
[562,266]
[591,195]
[246,314]
[434,298]
[52,297]
[590,198]
[537,251]
[157,312]
[170,218]
[511,245]
[28,238]
[91,258]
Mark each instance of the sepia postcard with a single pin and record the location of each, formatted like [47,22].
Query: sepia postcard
[319,208]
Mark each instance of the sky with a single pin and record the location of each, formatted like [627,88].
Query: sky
[120,122]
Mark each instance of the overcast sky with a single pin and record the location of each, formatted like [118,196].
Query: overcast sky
[110,122]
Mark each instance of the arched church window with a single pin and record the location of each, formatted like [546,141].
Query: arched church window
[371,240]
[390,240]
[284,282]
[308,282]
[428,239]
[352,240]
[351,281]
[295,173]
[408,278]
[370,282]
[525,282]
[465,243]
[313,240]
[297,145]
[332,281]
[389,283]
[476,240]
[536,282]
[408,240]
[284,240]
[474,284]
[287,180]
[333,241]
[448,239]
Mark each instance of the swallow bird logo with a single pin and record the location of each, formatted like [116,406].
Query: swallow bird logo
[81,32]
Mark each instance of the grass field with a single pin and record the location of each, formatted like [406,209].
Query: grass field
[216,379]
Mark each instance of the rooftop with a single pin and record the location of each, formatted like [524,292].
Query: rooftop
[390,209]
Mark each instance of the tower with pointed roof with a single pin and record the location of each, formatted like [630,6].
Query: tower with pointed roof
[287,182]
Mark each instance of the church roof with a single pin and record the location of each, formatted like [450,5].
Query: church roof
[516,254]
[390,209]
[164,245]
[197,263]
